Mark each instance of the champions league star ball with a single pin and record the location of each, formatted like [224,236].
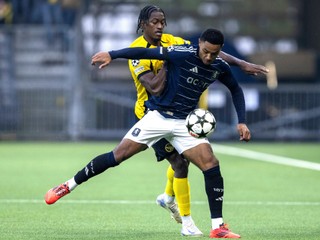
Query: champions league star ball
[200,123]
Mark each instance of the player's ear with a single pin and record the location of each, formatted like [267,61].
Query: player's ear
[221,48]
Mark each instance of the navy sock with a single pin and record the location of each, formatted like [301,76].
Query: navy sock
[98,165]
[214,189]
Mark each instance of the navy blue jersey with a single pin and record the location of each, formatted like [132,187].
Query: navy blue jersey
[187,78]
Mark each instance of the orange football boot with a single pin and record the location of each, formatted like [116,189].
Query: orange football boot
[223,232]
[56,193]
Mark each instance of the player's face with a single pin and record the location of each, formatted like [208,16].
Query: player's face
[153,29]
[208,52]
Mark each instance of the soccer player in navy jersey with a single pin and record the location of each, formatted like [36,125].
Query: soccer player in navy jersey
[190,70]
[145,73]
[152,22]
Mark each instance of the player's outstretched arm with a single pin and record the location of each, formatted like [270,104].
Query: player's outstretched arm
[247,67]
[102,58]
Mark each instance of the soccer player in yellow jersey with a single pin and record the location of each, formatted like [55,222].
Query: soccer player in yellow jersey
[149,78]
[144,72]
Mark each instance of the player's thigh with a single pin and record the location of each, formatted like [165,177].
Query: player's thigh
[149,129]
[164,150]
[202,156]
[126,149]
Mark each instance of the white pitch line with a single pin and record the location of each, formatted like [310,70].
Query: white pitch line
[265,157]
[146,202]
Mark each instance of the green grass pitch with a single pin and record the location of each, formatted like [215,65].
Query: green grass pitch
[263,200]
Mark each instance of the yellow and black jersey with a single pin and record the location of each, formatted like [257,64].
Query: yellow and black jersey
[143,66]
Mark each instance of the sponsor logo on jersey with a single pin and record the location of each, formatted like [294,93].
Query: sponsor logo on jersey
[195,70]
[197,82]
[138,70]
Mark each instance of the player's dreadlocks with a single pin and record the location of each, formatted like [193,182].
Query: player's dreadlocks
[145,15]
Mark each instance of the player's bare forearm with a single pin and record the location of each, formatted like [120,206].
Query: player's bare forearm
[247,67]
[160,79]
[244,132]
[101,58]
[154,84]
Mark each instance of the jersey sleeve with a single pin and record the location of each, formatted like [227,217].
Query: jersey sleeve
[174,52]
[139,67]
[140,53]
[236,92]
[178,53]
[180,41]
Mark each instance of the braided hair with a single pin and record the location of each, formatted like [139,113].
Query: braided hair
[145,14]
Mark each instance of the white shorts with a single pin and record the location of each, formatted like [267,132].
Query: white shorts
[153,126]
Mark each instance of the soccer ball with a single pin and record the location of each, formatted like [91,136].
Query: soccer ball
[200,123]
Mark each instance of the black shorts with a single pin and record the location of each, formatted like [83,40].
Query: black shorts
[163,149]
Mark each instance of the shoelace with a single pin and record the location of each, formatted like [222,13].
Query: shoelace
[224,226]
[61,190]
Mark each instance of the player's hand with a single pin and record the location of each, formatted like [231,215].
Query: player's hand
[102,58]
[253,69]
[244,132]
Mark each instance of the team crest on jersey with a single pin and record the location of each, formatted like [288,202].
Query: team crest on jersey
[168,147]
[215,74]
[135,62]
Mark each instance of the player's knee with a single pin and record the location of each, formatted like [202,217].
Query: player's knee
[181,168]
[121,156]
[208,162]
[179,165]
[127,149]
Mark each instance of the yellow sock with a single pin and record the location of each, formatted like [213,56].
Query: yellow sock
[182,190]
[169,186]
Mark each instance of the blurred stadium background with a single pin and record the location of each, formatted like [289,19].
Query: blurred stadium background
[49,90]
